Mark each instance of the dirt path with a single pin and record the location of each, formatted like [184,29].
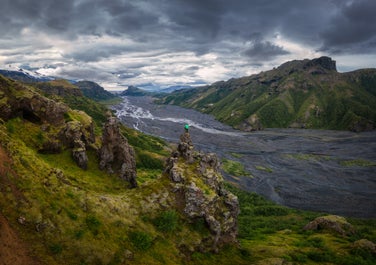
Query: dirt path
[13,251]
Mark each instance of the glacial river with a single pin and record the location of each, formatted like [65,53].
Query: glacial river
[299,168]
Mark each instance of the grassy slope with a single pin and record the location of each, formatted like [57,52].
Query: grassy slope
[86,217]
[282,97]
[91,217]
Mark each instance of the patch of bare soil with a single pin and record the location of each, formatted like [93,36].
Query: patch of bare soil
[13,251]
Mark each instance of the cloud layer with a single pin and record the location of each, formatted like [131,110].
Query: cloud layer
[167,42]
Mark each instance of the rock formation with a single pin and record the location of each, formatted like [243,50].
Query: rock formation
[18,101]
[198,185]
[116,155]
[331,223]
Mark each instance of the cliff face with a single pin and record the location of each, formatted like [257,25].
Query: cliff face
[198,188]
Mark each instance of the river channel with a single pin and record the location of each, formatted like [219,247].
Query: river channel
[319,170]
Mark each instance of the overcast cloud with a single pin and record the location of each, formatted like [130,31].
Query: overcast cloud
[167,42]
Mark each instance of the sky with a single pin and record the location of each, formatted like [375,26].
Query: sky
[159,43]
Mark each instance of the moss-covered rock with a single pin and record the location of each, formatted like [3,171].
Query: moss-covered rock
[332,223]
[199,189]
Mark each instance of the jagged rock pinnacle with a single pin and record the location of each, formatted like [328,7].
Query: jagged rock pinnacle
[116,155]
[199,185]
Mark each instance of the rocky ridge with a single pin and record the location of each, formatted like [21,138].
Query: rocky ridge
[297,94]
[64,128]
[199,190]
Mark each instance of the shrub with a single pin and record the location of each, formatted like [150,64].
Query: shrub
[148,162]
[56,248]
[141,240]
[93,224]
[320,256]
[167,221]
[271,210]
[234,168]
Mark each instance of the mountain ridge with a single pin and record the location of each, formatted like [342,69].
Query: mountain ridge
[299,94]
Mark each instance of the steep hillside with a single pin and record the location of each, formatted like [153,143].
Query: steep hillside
[94,91]
[302,94]
[67,189]
[74,194]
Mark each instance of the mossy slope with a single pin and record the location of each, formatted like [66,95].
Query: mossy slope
[67,215]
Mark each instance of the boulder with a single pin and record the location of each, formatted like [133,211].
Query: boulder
[365,245]
[115,154]
[331,223]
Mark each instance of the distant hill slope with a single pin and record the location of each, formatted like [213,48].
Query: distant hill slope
[94,91]
[300,93]
[89,89]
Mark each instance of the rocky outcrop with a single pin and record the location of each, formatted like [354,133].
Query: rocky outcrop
[61,88]
[365,245]
[252,123]
[94,91]
[198,186]
[323,62]
[20,101]
[116,155]
[78,136]
[333,223]
[60,130]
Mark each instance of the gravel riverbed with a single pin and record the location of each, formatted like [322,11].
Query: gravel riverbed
[320,170]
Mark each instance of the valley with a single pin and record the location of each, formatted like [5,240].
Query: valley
[319,170]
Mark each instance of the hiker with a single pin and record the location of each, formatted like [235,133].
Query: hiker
[186,127]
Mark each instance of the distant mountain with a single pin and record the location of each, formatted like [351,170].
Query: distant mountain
[135,92]
[94,91]
[59,87]
[174,88]
[299,94]
[89,89]
[24,76]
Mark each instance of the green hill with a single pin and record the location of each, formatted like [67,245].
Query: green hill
[94,91]
[54,211]
[299,94]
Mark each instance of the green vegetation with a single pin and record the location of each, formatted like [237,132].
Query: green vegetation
[94,91]
[262,168]
[63,212]
[313,157]
[234,168]
[289,96]
[141,240]
[167,221]
[358,162]
[268,231]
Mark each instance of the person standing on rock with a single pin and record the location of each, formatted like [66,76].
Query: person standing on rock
[186,127]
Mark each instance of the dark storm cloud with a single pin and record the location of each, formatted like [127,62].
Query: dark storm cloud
[264,50]
[352,29]
[237,34]
[197,21]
